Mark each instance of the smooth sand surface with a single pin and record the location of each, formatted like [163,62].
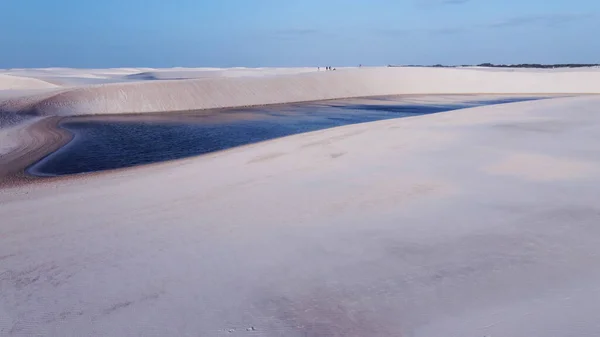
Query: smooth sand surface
[477,222]
[17,82]
[471,223]
[194,90]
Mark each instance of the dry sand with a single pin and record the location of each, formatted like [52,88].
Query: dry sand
[477,222]
[148,95]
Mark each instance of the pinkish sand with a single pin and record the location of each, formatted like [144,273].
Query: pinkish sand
[471,223]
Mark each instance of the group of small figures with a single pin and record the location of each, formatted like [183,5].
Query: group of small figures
[330,68]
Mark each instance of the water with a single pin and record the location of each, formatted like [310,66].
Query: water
[104,144]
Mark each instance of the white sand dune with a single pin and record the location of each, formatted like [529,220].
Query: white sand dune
[69,77]
[195,73]
[16,82]
[478,222]
[66,77]
[289,86]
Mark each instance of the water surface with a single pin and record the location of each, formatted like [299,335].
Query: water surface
[124,141]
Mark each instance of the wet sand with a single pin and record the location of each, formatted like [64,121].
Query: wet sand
[36,141]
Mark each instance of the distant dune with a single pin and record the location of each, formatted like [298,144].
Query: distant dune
[197,73]
[180,89]
[9,82]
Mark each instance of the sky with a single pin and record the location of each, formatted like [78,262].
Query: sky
[261,33]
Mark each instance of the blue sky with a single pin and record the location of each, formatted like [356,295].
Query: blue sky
[225,33]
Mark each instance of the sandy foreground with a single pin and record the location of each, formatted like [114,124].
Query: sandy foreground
[476,222]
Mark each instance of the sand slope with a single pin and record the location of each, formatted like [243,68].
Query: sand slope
[479,222]
[225,91]
[9,82]
[192,73]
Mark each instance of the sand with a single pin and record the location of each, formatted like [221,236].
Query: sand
[17,82]
[476,222]
[142,92]
[27,94]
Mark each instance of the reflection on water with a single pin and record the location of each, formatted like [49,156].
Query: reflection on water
[111,144]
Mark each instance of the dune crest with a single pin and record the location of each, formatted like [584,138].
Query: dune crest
[10,82]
